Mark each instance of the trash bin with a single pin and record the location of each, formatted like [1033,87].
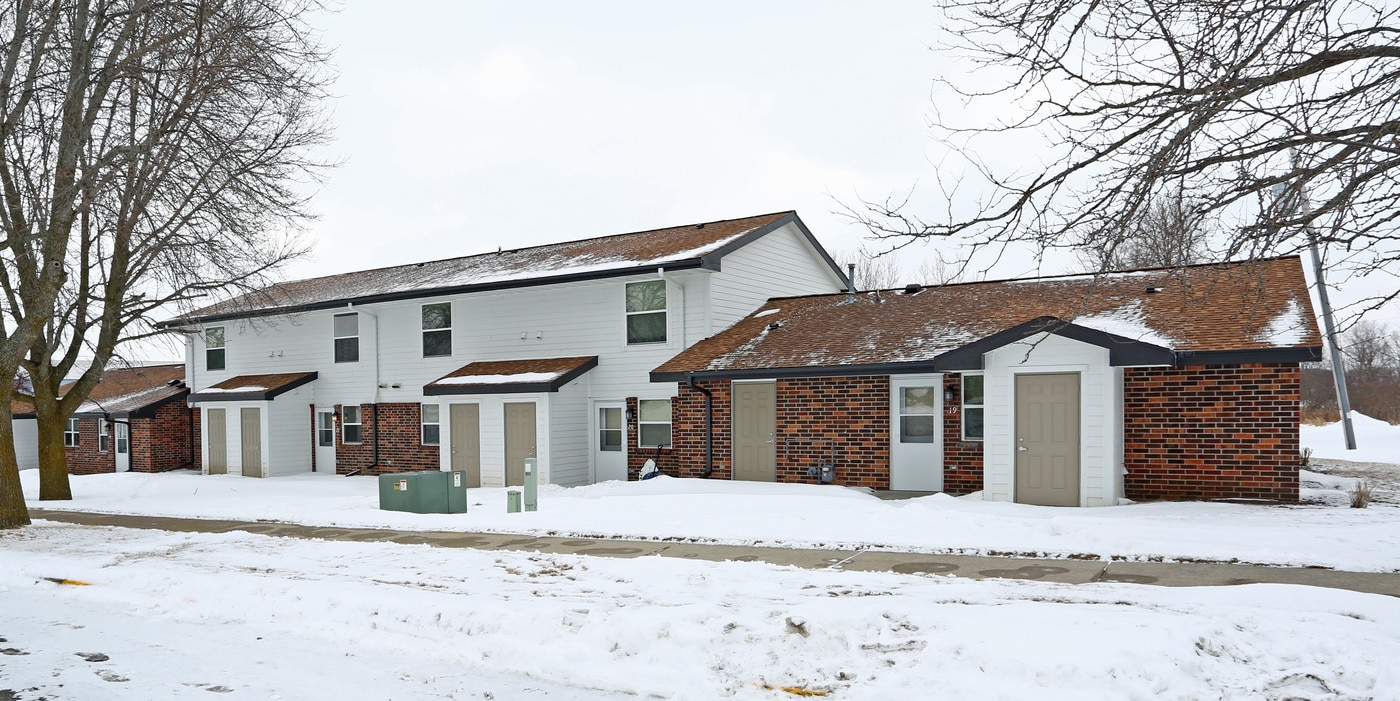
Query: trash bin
[432,492]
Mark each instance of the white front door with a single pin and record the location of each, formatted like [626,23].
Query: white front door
[916,432]
[122,432]
[325,440]
[609,443]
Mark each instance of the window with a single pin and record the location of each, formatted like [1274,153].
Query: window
[646,312]
[432,430]
[918,414]
[350,423]
[437,329]
[610,429]
[972,407]
[70,434]
[325,429]
[214,348]
[347,338]
[653,423]
[104,431]
[123,439]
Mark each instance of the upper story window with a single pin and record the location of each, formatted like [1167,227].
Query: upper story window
[214,348]
[653,423]
[646,312]
[70,434]
[347,338]
[437,329]
[972,407]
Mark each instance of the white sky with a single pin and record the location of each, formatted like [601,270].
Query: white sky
[463,127]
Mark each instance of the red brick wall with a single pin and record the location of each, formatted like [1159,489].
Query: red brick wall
[666,457]
[962,460]
[162,442]
[852,412]
[688,430]
[1211,432]
[400,442]
[84,458]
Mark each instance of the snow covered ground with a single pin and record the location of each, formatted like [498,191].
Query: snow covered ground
[176,615]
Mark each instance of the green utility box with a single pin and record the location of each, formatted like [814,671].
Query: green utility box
[432,492]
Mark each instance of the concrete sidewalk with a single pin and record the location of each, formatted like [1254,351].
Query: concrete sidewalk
[1066,571]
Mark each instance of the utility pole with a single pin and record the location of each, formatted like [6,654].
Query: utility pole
[1339,372]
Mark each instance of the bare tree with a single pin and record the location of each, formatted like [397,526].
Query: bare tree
[1219,101]
[1370,344]
[874,271]
[1169,234]
[186,130]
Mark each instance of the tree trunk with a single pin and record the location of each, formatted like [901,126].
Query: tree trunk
[13,512]
[53,459]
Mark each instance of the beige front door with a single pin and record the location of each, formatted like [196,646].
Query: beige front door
[520,440]
[755,431]
[465,425]
[218,441]
[251,424]
[1047,439]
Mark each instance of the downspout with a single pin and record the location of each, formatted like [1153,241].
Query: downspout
[709,425]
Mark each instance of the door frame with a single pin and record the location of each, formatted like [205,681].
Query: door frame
[452,439]
[905,458]
[734,426]
[320,450]
[121,434]
[596,428]
[209,442]
[505,439]
[243,453]
[1078,371]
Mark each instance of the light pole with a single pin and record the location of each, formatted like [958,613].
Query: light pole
[1339,371]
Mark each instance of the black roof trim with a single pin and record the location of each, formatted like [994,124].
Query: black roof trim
[1260,355]
[436,390]
[1121,350]
[308,378]
[910,368]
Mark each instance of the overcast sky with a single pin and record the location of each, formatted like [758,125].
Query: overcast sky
[467,126]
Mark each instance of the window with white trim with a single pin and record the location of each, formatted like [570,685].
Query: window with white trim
[104,432]
[432,428]
[350,426]
[214,348]
[610,429]
[325,428]
[437,329]
[123,438]
[918,414]
[653,423]
[70,434]
[646,312]
[347,337]
[972,409]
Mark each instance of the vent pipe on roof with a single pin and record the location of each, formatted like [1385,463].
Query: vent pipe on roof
[851,282]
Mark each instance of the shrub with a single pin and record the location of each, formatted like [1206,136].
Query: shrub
[1360,494]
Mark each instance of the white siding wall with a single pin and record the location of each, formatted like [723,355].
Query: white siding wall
[781,264]
[1099,421]
[492,411]
[287,438]
[26,443]
[569,435]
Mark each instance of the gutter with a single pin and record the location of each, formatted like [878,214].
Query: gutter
[709,426]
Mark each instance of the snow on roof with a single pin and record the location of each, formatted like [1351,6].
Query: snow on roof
[512,378]
[1220,307]
[237,388]
[620,253]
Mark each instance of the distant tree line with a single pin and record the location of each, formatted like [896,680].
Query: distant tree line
[1371,351]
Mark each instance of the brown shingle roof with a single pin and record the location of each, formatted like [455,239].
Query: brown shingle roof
[680,246]
[507,376]
[1207,308]
[253,387]
[124,390]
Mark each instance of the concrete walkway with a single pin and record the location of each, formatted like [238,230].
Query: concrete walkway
[1066,571]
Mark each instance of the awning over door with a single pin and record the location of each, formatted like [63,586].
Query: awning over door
[253,387]
[511,376]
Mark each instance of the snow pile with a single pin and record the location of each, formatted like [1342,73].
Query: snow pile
[794,515]
[1376,440]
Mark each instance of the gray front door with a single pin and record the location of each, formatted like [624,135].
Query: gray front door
[755,431]
[465,425]
[520,440]
[251,424]
[218,441]
[1047,439]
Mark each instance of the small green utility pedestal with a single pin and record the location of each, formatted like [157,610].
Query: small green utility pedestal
[431,492]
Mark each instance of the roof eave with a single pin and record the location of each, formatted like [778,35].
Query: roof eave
[254,396]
